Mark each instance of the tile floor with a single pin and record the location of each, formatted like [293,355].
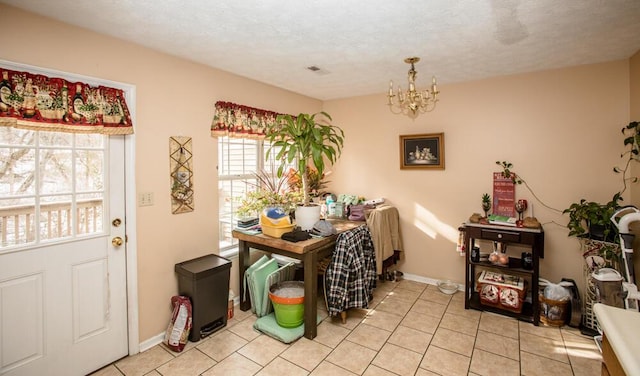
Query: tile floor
[410,329]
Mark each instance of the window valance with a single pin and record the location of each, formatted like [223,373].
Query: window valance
[235,120]
[35,101]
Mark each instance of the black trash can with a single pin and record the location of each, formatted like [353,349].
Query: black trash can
[205,280]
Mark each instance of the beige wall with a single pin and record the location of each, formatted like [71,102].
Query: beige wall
[560,129]
[174,97]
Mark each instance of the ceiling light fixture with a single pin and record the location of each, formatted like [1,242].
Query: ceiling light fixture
[413,102]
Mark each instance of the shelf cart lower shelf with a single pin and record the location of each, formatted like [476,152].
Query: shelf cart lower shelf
[526,314]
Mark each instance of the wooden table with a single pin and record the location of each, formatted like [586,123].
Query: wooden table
[308,251]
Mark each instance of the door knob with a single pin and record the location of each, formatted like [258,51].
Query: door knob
[117,241]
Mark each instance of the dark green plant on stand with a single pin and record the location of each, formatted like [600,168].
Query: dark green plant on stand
[593,219]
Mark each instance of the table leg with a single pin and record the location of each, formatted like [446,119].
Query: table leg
[310,264]
[243,264]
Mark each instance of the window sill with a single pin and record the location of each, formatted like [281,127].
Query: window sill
[230,253]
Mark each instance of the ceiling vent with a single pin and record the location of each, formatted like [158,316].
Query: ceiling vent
[317,70]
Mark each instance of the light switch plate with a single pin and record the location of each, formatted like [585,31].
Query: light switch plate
[145,199]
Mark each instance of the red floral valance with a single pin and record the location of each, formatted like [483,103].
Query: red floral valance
[35,101]
[235,120]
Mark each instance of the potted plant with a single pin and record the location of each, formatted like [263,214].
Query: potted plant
[592,219]
[269,191]
[486,204]
[309,140]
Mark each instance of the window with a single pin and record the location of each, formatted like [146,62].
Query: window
[52,186]
[238,160]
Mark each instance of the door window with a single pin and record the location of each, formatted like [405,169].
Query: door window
[52,186]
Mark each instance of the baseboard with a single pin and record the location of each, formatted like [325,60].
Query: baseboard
[429,281]
[155,340]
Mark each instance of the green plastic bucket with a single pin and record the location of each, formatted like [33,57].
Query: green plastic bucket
[288,303]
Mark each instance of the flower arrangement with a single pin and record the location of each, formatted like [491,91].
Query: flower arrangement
[270,191]
[255,201]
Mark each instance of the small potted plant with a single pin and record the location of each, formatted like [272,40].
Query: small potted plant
[486,204]
[309,140]
[269,192]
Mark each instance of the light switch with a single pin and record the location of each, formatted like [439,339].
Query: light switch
[145,199]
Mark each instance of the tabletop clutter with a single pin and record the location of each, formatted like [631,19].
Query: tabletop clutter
[275,222]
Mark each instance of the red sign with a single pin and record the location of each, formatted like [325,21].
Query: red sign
[504,195]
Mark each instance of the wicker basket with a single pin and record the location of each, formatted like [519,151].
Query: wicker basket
[501,295]
[553,312]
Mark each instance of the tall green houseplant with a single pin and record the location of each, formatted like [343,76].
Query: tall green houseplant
[309,139]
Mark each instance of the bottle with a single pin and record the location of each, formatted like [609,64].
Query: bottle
[64,93]
[29,103]
[527,260]
[475,254]
[5,89]
[182,172]
[78,101]
[331,206]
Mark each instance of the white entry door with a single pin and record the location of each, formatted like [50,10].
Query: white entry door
[63,303]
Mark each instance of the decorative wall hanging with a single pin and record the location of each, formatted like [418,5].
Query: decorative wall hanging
[422,151]
[35,101]
[180,153]
[235,120]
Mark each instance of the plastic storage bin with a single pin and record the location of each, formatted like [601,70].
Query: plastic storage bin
[205,280]
[275,227]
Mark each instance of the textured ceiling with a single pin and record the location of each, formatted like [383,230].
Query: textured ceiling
[360,45]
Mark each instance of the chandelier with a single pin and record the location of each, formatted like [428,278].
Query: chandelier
[414,101]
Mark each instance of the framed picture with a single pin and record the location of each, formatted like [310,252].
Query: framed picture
[422,151]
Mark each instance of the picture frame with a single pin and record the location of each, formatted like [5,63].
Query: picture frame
[422,151]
